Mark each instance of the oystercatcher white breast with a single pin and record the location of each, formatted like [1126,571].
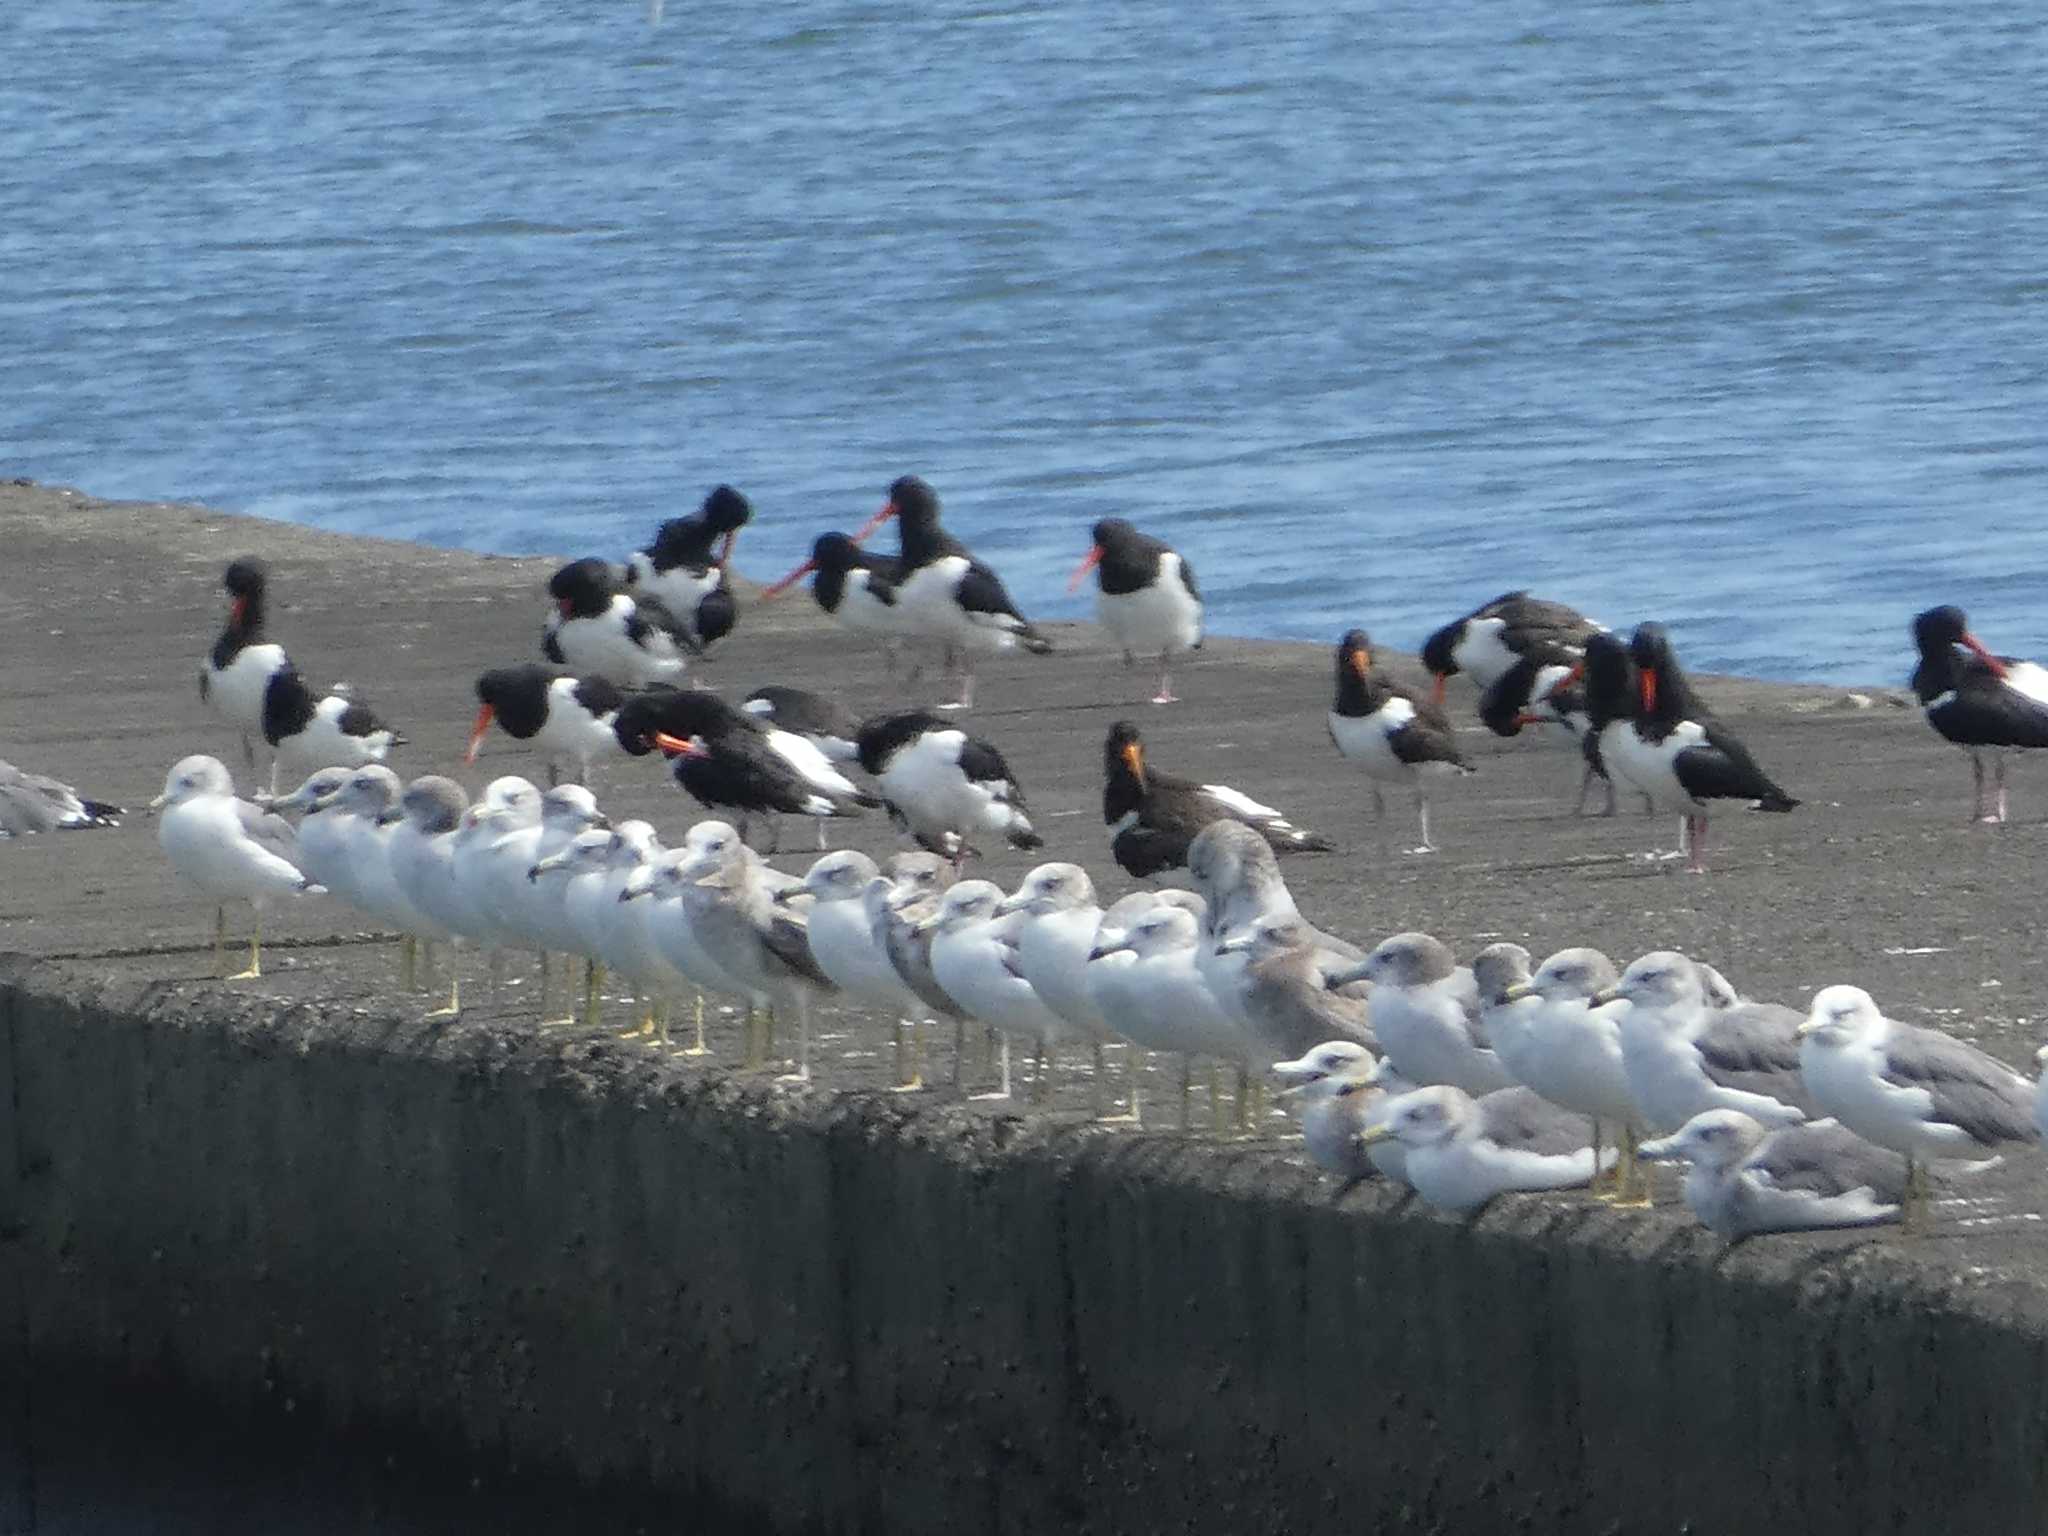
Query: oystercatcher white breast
[1981,702]
[1394,734]
[253,684]
[1669,745]
[942,785]
[1490,639]
[681,569]
[598,629]
[825,723]
[1154,816]
[727,759]
[568,720]
[1145,596]
[946,593]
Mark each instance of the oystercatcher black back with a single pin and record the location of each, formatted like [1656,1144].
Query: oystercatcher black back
[1981,702]
[1488,640]
[1154,816]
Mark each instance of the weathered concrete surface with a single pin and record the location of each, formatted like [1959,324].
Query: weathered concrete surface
[576,1259]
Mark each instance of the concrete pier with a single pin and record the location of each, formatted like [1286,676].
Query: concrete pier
[484,1275]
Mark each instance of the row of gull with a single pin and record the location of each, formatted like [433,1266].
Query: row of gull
[1460,1082]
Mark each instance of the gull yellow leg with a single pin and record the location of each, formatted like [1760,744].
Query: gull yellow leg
[909,1039]
[453,1006]
[220,941]
[700,1048]
[255,968]
[408,962]
[593,993]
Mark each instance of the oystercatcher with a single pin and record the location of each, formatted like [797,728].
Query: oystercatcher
[1153,816]
[568,720]
[598,629]
[1145,597]
[1492,637]
[1981,702]
[1666,742]
[1393,733]
[680,569]
[942,785]
[1545,688]
[946,592]
[251,681]
[825,723]
[856,588]
[727,759]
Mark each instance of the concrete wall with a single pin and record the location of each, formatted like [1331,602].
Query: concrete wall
[771,1312]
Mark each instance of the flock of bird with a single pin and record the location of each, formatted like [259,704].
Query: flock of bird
[1459,1081]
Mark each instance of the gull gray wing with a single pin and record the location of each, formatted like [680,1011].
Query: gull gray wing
[1973,1091]
[1295,1011]
[787,937]
[1826,1158]
[1521,1120]
[1754,1048]
[269,831]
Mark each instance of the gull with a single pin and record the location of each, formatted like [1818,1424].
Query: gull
[368,802]
[325,832]
[1236,873]
[974,957]
[1060,917]
[566,881]
[1570,1050]
[530,910]
[1462,1152]
[1500,978]
[900,906]
[1924,1094]
[1747,1178]
[1682,1055]
[760,941]
[1276,993]
[232,850]
[1424,1011]
[422,859]
[31,802]
[662,898]
[623,945]
[1334,1083]
[1143,977]
[847,949]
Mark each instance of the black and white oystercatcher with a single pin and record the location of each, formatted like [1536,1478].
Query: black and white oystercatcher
[597,629]
[681,569]
[1666,742]
[947,594]
[250,680]
[568,720]
[727,759]
[31,802]
[1145,596]
[856,588]
[942,785]
[1153,816]
[1545,689]
[825,723]
[1490,639]
[1393,733]
[1981,702]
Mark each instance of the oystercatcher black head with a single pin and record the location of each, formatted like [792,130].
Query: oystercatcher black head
[245,580]
[915,506]
[687,541]
[1610,682]
[1436,653]
[1124,750]
[832,553]
[726,510]
[1354,673]
[515,697]
[1666,692]
[583,588]
[663,718]
[1128,558]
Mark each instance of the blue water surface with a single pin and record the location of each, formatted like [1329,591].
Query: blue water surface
[1727,314]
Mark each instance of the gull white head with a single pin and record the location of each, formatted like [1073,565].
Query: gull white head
[968,903]
[1498,971]
[1268,937]
[842,875]
[1425,1117]
[370,792]
[1717,1139]
[1408,960]
[570,806]
[1573,975]
[1052,888]
[191,777]
[1663,981]
[1163,931]
[318,793]
[1331,1061]
[1237,874]
[1841,1016]
[511,802]
[586,851]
